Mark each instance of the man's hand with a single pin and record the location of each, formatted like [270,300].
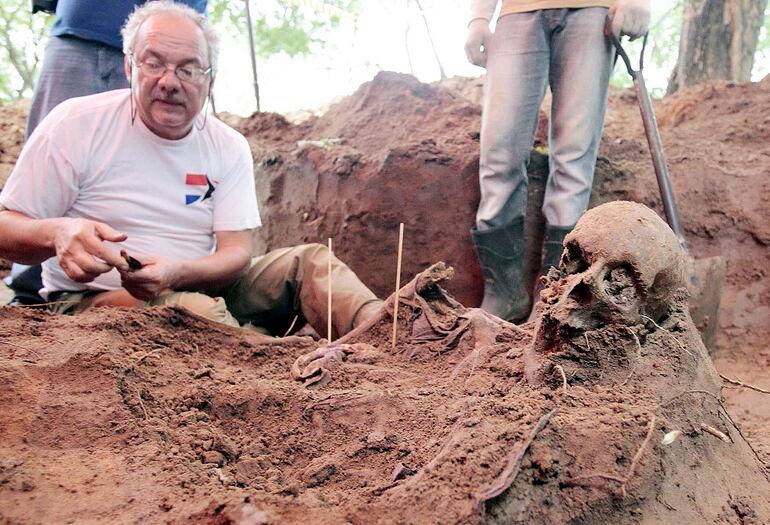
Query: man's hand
[160,275]
[476,42]
[81,251]
[629,17]
[157,275]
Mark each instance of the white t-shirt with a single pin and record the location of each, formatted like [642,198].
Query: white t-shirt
[87,160]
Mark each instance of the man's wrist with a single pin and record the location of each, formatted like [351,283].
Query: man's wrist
[175,276]
[472,20]
[48,231]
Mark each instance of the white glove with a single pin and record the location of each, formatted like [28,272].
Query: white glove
[629,17]
[476,42]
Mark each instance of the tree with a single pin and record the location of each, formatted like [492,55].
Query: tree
[289,26]
[22,36]
[294,27]
[718,41]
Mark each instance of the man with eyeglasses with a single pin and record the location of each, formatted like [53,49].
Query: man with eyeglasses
[83,56]
[135,197]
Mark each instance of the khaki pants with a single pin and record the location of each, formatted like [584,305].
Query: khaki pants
[279,286]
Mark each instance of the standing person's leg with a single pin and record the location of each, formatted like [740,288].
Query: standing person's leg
[73,67]
[581,63]
[517,74]
[291,282]
[515,83]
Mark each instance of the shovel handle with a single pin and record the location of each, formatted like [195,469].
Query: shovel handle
[653,140]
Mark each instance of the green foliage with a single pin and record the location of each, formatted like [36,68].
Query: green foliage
[22,37]
[661,53]
[294,27]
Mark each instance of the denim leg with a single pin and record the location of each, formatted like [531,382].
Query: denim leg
[73,67]
[517,74]
[581,62]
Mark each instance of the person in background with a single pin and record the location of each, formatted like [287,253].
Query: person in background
[84,56]
[537,44]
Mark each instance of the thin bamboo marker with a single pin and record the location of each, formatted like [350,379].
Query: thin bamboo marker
[329,296]
[398,280]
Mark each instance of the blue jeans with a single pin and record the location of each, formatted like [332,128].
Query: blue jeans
[72,67]
[563,48]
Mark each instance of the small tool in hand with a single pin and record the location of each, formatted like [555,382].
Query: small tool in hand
[133,264]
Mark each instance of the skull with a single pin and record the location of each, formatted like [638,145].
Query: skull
[620,264]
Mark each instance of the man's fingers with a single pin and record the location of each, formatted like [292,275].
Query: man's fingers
[107,233]
[77,273]
[481,59]
[477,57]
[90,264]
[608,22]
[475,48]
[616,25]
[628,18]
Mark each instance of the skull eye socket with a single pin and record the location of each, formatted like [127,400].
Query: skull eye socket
[620,285]
[573,259]
[581,293]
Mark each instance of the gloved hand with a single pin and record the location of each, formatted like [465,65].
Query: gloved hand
[475,44]
[314,368]
[629,17]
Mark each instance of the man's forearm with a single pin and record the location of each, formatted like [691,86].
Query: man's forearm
[26,240]
[212,272]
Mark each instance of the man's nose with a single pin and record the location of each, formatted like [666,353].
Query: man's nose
[169,79]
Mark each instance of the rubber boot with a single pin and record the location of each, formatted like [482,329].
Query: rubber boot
[553,246]
[501,254]
[26,286]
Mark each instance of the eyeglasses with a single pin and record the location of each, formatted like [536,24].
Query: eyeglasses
[153,68]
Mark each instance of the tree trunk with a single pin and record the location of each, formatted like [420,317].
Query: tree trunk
[718,41]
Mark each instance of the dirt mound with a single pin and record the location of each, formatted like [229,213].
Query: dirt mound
[395,151]
[157,416]
[13,121]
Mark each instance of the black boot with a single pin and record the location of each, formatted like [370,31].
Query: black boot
[501,254]
[553,246]
[26,286]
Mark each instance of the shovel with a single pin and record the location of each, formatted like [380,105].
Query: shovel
[706,276]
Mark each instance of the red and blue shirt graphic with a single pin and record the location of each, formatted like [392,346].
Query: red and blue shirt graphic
[196,181]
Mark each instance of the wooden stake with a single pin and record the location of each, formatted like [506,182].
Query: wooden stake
[329,296]
[398,281]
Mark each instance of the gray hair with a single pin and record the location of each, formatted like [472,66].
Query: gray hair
[142,13]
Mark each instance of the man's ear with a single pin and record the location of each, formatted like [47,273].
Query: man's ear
[127,67]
